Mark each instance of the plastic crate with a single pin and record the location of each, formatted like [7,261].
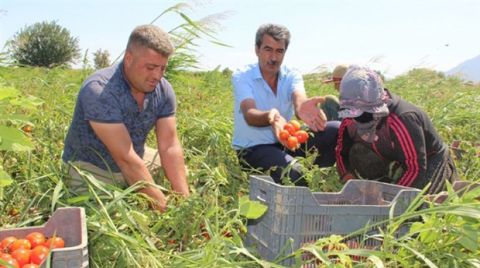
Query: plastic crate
[68,223]
[297,213]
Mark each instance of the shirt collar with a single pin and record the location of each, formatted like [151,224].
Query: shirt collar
[258,75]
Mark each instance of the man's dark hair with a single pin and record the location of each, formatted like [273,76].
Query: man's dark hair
[276,31]
[153,37]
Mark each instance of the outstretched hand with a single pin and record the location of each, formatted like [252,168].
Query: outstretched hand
[312,115]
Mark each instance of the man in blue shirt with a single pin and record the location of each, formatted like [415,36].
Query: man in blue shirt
[267,95]
[116,109]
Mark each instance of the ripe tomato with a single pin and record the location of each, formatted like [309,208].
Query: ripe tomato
[22,256]
[295,124]
[284,135]
[7,242]
[36,238]
[292,143]
[9,259]
[55,242]
[302,136]
[290,128]
[39,254]
[30,265]
[20,243]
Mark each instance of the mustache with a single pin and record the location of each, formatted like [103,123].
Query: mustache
[272,62]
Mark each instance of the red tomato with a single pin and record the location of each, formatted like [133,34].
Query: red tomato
[302,136]
[20,243]
[292,143]
[7,242]
[55,242]
[290,128]
[30,265]
[295,124]
[36,238]
[8,259]
[22,256]
[284,135]
[39,254]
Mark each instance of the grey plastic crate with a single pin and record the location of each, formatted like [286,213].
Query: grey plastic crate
[68,223]
[297,213]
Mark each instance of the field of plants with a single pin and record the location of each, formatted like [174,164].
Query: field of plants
[207,229]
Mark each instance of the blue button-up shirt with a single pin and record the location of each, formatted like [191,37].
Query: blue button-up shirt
[248,83]
[106,97]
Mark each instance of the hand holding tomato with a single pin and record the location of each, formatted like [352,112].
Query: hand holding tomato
[291,136]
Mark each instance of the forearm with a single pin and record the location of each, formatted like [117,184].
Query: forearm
[257,118]
[134,170]
[173,164]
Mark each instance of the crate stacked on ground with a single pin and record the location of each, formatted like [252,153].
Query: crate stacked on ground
[68,223]
[297,213]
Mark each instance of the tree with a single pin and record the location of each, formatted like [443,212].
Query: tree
[45,44]
[101,58]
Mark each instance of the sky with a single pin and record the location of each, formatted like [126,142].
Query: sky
[392,36]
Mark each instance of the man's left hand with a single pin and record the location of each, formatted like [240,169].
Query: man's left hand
[312,115]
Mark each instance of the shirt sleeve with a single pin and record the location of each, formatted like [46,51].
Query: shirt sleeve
[344,144]
[297,82]
[169,100]
[411,139]
[98,105]
[242,88]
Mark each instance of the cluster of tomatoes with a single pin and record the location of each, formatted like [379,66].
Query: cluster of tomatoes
[28,252]
[293,135]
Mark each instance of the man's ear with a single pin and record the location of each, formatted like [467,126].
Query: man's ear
[128,57]
[257,50]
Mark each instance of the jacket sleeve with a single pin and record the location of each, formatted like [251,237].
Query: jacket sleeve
[409,133]
[344,143]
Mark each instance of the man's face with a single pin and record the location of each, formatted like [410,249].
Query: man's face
[270,54]
[144,68]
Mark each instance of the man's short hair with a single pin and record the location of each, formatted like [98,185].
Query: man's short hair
[151,36]
[278,32]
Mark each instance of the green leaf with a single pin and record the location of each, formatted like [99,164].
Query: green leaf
[8,92]
[28,102]
[5,179]
[12,139]
[14,117]
[141,219]
[251,209]
[469,238]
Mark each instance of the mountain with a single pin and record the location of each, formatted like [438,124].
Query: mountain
[468,70]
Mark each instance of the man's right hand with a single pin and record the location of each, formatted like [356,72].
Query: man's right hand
[277,122]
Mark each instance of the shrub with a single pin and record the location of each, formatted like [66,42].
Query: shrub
[101,58]
[44,44]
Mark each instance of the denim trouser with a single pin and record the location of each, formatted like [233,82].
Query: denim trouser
[265,156]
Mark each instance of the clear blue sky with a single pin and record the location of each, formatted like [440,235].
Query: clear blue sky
[392,36]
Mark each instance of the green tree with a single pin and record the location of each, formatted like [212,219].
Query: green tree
[101,58]
[44,44]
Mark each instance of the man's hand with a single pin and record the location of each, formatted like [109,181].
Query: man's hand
[311,114]
[277,122]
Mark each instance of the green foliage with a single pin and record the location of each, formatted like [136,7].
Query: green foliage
[44,44]
[207,229]
[101,58]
